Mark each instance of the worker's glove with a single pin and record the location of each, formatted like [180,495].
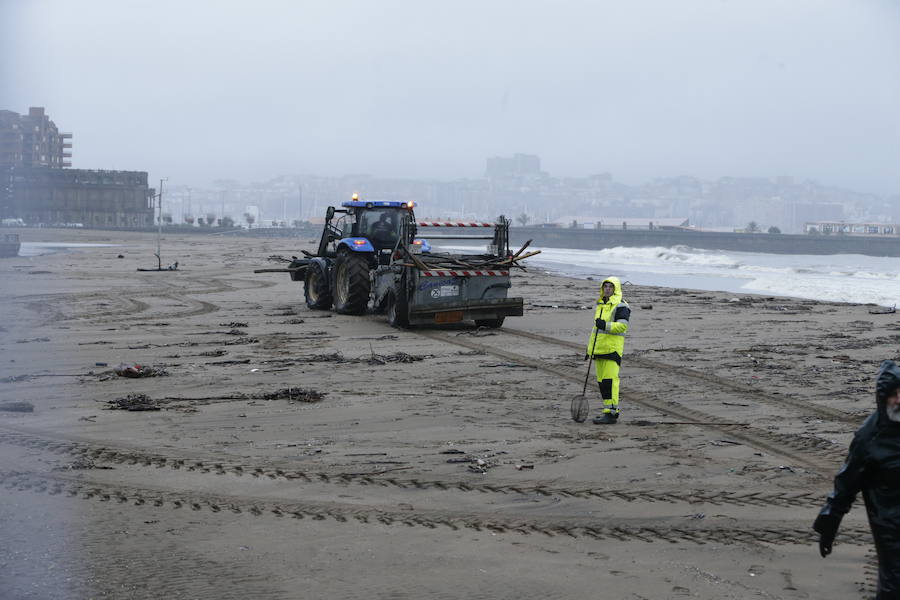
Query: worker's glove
[587,357]
[826,526]
[601,324]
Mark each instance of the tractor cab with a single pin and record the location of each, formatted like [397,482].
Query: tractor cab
[380,224]
[372,227]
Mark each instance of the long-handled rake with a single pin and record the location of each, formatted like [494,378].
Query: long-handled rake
[580,407]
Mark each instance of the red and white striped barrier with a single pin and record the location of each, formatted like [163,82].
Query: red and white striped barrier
[461,273]
[452,224]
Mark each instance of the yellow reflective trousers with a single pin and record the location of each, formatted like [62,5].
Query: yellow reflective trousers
[608,380]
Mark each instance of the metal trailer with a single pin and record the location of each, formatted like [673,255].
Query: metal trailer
[397,273]
[412,293]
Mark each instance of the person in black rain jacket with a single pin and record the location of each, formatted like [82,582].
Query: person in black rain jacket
[873,467]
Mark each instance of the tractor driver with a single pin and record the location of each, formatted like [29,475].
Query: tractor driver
[384,231]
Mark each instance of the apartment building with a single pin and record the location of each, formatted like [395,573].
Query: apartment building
[33,140]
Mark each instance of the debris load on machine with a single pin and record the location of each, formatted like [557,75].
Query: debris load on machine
[371,255]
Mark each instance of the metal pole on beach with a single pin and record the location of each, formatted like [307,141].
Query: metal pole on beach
[159,227]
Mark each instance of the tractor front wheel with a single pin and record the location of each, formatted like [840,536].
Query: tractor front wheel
[315,287]
[351,283]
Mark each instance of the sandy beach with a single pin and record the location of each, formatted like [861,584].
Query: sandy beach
[305,454]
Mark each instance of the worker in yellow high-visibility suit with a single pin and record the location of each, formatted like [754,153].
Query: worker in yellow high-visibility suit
[607,344]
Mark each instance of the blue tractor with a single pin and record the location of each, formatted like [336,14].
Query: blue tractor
[356,239]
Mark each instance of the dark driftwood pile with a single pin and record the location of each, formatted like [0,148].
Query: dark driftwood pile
[471,262]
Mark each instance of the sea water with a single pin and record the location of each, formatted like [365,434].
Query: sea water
[834,277]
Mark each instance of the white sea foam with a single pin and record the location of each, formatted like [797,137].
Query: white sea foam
[839,277]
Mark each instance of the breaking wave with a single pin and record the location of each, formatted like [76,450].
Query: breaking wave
[840,277]
[836,277]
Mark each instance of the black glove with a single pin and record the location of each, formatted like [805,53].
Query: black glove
[601,324]
[826,526]
[587,357]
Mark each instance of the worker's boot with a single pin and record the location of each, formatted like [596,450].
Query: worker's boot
[607,418]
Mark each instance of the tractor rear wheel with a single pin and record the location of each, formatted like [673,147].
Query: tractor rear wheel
[490,323]
[398,304]
[315,287]
[397,311]
[351,283]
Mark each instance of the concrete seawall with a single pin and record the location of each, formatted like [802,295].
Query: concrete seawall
[592,239]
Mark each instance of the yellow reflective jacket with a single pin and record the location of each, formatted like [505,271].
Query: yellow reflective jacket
[610,343]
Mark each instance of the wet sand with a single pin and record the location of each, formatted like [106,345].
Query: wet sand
[436,462]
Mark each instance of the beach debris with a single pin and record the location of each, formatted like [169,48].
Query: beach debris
[522,467]
[229,362]
[331,357]
[287,312]
[372,359]
[40,339]
[479,332]
[232,331]
[647,306]
[133,402]
[397,357]
[233,324]
[883,310]
[292,394]
[293,322]
[16,407]
[244,339]
[135,371]
[213,353]
[80,464]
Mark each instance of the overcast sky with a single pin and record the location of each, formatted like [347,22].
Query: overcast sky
[196,90]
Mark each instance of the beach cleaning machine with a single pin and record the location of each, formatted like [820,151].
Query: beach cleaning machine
[371,255]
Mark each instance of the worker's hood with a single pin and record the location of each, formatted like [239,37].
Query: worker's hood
[617,293]
[888,380]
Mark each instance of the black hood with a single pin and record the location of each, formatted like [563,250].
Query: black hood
[887,382]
